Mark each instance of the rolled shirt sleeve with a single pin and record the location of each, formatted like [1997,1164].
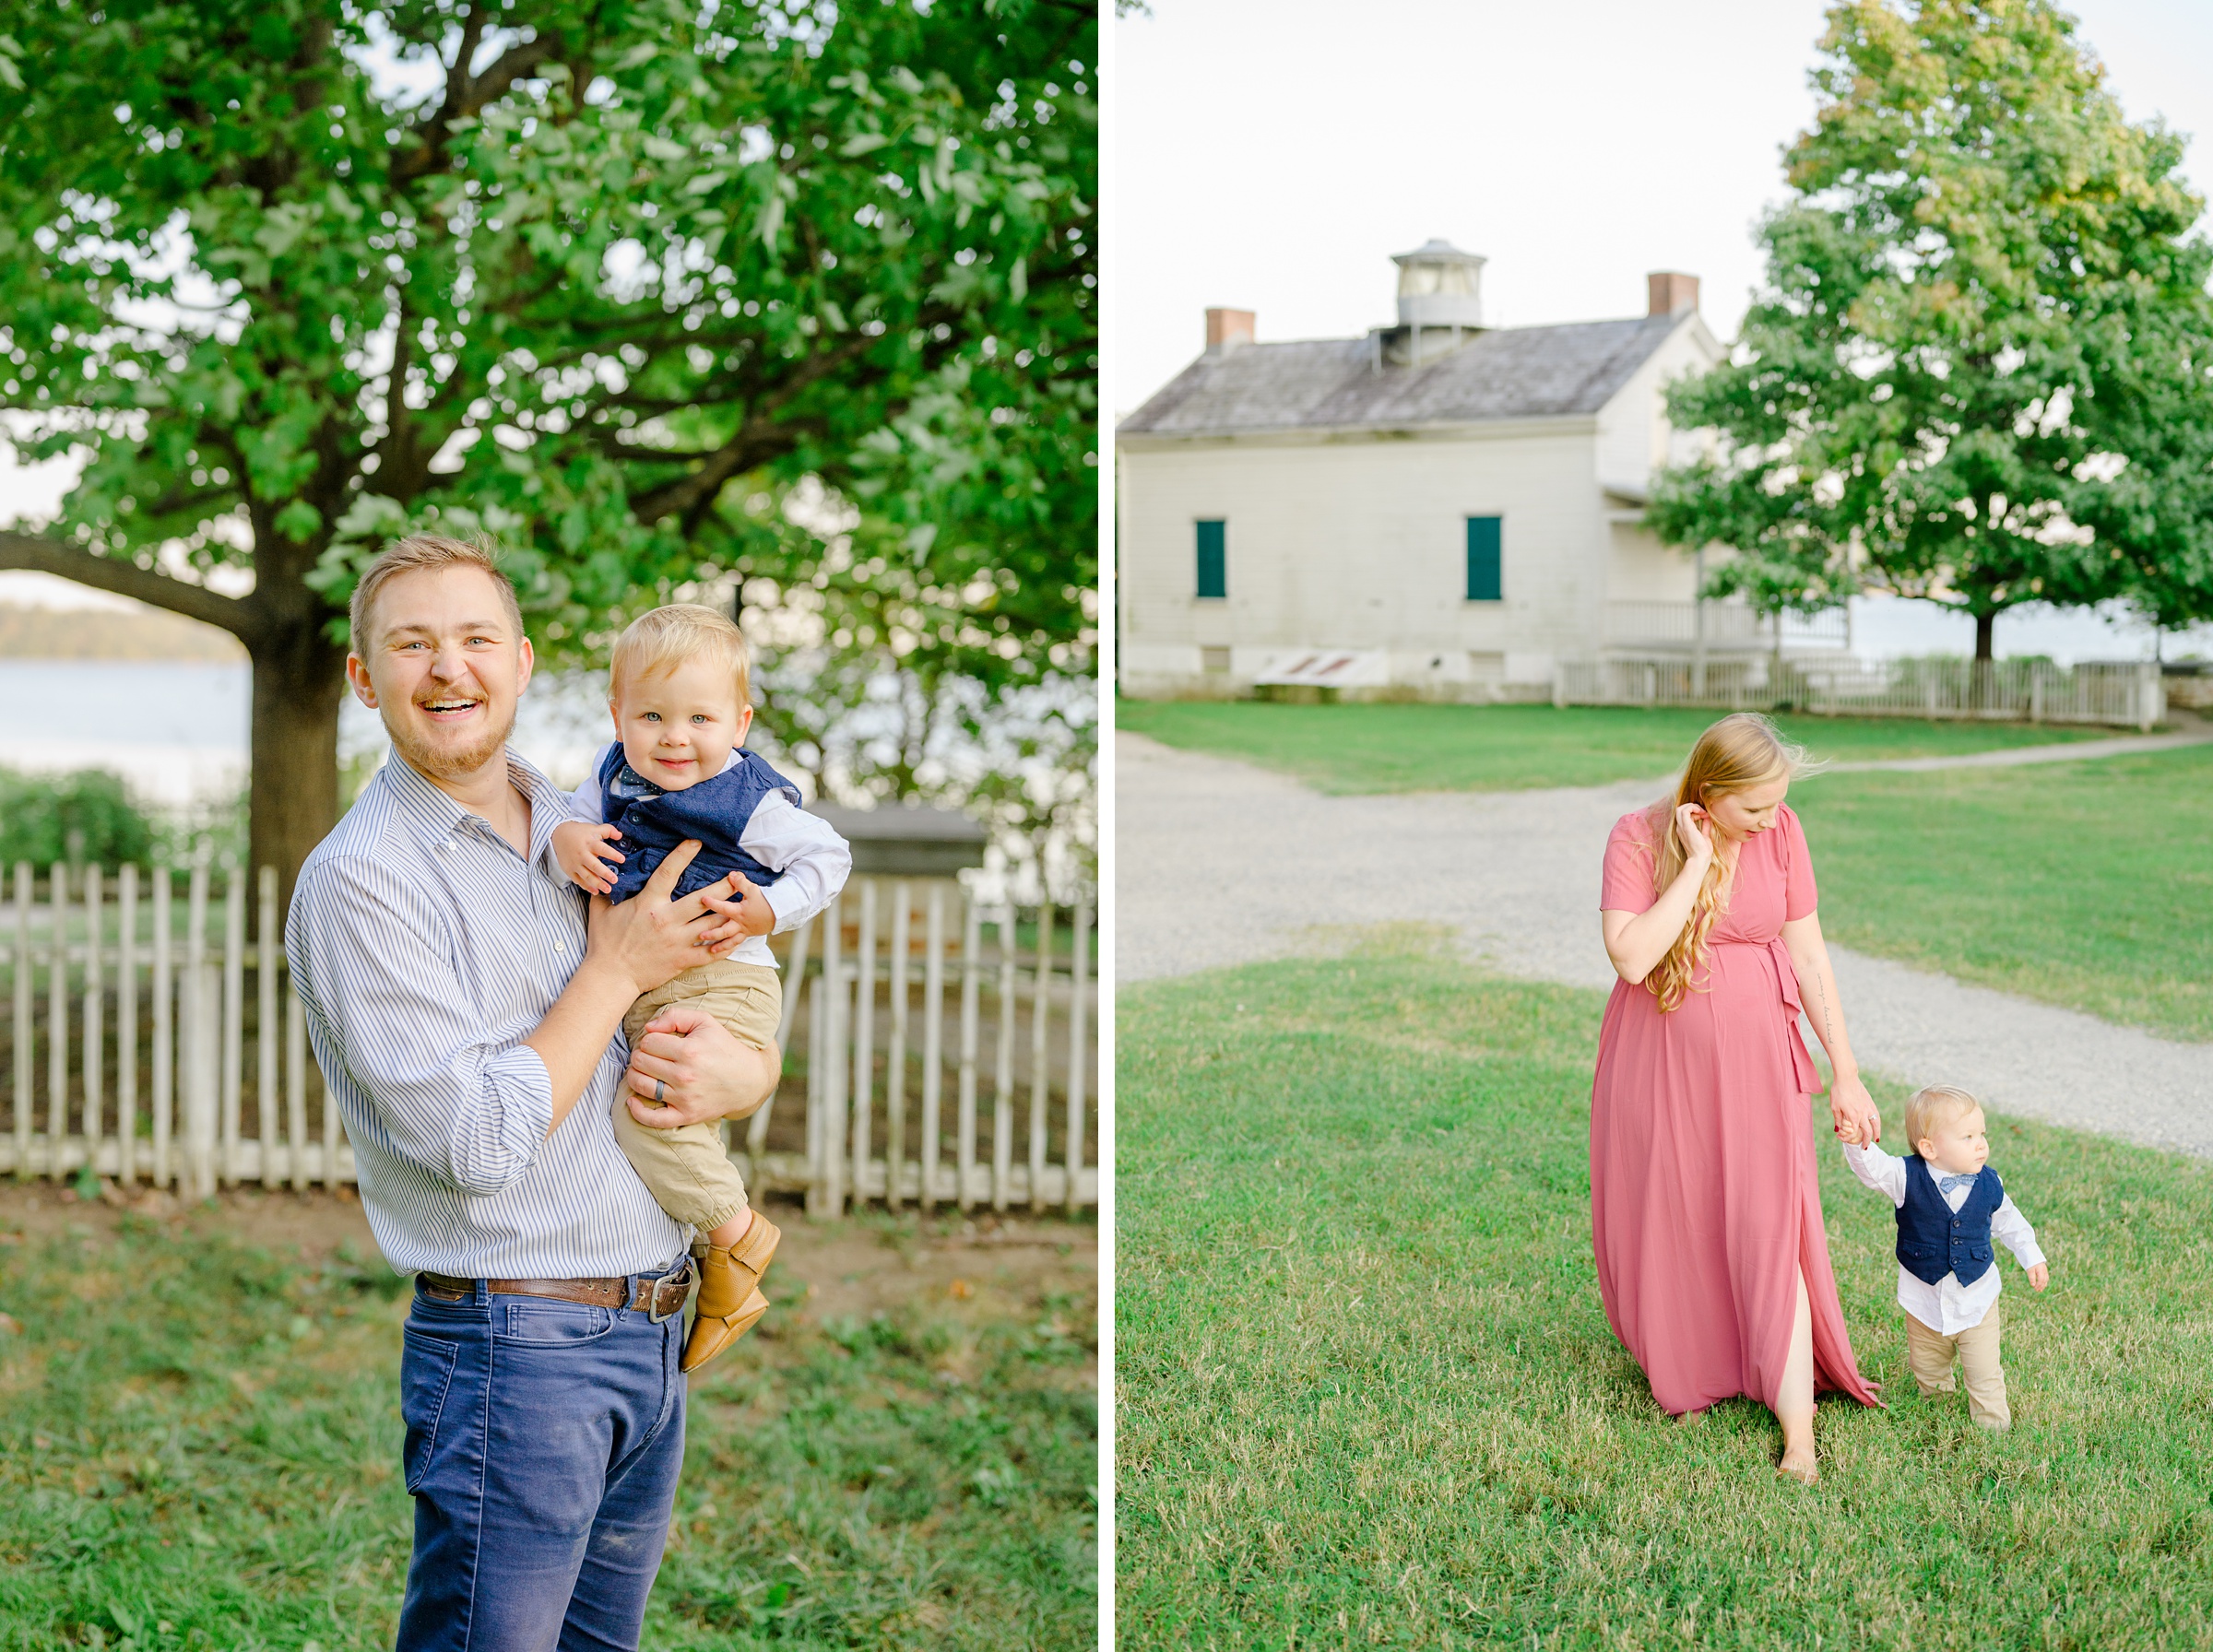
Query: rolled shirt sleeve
[470,1111]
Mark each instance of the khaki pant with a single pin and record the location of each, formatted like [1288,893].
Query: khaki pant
[1930,1354]
[687,1169]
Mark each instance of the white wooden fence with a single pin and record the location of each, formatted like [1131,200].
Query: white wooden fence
[938,1069]
[2127,695]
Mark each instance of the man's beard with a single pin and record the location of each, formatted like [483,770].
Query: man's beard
[451,764]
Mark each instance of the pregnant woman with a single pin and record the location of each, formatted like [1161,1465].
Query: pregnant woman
[1705,1210]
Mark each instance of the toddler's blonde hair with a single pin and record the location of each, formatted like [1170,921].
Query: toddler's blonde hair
[665,637]
[1932,1106]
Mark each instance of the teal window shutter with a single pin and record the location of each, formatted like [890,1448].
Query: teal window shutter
[1214,562]
[1485,577]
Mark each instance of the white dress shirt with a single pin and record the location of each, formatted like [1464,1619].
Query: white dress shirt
[814,861]
[1947,1307]
[425,950]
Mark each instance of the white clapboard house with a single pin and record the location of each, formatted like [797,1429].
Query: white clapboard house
[1438,509]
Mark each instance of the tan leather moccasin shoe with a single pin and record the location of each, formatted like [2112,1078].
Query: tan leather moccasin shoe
[730,1302]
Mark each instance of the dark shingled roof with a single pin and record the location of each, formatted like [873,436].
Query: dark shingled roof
[1508,372]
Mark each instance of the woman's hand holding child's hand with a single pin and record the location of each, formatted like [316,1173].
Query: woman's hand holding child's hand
[2039,1277]
[1852,1112]
[586,854]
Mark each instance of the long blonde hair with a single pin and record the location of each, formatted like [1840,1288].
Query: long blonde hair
[1742,751]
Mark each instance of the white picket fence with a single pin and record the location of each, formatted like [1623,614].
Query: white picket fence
[937,1071]
[2126,695]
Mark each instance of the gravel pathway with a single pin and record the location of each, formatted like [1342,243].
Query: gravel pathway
[1224,863]
[2193,732]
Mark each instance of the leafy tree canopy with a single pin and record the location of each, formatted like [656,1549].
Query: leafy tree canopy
[620,281]
[1978,370]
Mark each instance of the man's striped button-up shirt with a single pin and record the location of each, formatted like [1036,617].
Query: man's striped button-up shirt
[425,949]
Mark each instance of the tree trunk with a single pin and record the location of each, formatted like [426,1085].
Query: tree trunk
[1984,694]
[299,682]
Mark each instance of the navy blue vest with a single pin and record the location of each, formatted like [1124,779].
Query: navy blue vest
[1934,1239]
[715,812]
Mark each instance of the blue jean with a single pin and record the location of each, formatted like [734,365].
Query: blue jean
[543,1444]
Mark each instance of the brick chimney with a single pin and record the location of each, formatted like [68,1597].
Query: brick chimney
[1671,292]
[1226,329]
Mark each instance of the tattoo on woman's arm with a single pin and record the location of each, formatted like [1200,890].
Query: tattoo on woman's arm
[1828,1024]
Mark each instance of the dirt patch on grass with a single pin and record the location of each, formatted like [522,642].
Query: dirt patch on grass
[309,1226]
[979,1267]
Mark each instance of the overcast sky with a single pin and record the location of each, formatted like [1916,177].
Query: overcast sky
[1271,155]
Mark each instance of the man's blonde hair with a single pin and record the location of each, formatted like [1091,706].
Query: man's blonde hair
[1932,1106]
[665,637]
[421,551]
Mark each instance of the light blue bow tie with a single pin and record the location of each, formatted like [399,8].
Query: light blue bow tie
[1946,1183]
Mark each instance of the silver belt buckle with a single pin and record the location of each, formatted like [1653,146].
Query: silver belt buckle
[682,1284]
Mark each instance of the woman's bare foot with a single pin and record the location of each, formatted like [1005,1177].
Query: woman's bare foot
[1795,1401]
[1798,1460]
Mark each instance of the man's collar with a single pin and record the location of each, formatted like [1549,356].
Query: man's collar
[432,815]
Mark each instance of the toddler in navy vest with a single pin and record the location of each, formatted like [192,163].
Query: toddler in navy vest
[1951,1208]
[679,690]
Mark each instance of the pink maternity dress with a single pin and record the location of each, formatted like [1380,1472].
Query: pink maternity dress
[1704,1204]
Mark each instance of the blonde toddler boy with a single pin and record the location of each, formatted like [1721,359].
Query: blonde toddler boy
[678,770]
[1951,1207]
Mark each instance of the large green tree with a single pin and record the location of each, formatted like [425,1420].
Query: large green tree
[1977,370]
[618,280]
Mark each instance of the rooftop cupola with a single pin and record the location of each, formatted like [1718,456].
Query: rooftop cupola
[1440,286]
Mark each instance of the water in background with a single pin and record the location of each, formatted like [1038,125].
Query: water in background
[177,732]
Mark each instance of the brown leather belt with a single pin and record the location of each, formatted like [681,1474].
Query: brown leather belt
[656,1298]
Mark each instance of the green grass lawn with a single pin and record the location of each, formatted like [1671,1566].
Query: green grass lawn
[1511,747]
[203,1454]
[1367,1395]
[2084,884]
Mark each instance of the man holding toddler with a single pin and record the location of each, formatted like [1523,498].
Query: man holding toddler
[465,1015]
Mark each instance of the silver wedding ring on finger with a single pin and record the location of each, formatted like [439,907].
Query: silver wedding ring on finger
[660,1089]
